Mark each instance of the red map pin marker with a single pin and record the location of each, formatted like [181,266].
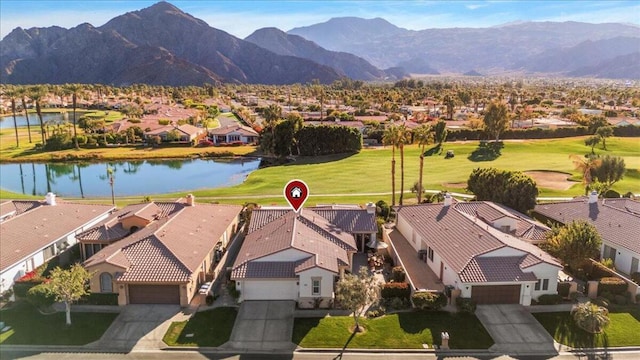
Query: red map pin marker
[296,192]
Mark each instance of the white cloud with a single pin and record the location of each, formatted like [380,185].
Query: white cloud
[475,6]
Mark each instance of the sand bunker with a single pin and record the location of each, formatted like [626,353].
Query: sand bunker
[551,179]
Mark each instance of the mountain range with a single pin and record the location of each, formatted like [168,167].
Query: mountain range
[163,45]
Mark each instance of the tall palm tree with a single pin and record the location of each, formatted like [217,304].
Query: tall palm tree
[585,165]
[450,103]
[75,90]
[422,134]
[404,138]
[36,93]
[21,92]
[11,94]
[392,137]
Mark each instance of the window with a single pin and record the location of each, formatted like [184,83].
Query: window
[233,138]
[315,286]
[545,284]
[609,252]
[430,253]
[106,285]
[537,287]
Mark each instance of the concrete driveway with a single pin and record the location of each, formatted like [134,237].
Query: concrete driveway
[139,327]
[263,325]
[515,331]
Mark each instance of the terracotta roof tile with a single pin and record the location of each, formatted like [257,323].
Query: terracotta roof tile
[265,269]
[351,220]
[30,231]
[495,269]
[151,261]
[616,226]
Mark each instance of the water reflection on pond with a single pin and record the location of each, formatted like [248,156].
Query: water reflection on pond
[142,177]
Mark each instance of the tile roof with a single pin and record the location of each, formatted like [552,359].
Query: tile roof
[351,220]
[495,269]
[243,130]
[526,227]
[35,229]
[17,207]
[627,205]
[177,244]
[616,226]
[275,230]
[265,269]
[460,238]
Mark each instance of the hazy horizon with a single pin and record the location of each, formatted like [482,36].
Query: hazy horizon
[241,18]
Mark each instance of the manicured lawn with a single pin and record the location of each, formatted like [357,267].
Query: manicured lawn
[399,331]
[29,327]
[623,330]
[209,328]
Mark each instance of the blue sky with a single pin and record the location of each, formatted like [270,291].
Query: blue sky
[242,17]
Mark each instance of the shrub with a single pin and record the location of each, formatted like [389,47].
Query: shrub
[398,274]
[563,289]
[607,295]
[549,299]
[613,285]
[466,305]
[395,290]
[397,303]
[590,317]
[389,260]
[210,299]
[620,299]
[574,296]
[611,194]
[231,287]
[40,296]
[164,122]
[607,262]
[429,300]
[99,299]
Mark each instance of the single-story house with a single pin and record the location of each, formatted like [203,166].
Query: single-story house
[617,222]
[289,256]
[185,132]
[486,261]
[233,133]
[166,254]
[33,232]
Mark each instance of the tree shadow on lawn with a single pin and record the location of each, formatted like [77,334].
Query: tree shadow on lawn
[465,330]
[321,159]
[436,150]
[568,333]
[487,151]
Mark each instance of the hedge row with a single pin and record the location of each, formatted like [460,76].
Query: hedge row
[429,300]
[537,133]
[612,285]
[395,289]
[99,299]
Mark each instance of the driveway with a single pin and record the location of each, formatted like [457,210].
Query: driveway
[515,331]
[263,325]
[139,327]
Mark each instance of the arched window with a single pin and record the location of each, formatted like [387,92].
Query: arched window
[106,284]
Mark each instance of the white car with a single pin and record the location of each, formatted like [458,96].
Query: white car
[204,288]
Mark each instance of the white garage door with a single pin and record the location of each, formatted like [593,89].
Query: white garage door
[269,290]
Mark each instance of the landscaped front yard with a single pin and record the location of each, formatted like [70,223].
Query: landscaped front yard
[622,331]
[396,331]
[209,328]
[30,327]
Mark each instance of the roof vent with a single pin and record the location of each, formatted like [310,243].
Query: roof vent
[50,198]
[447,199]
[593,197]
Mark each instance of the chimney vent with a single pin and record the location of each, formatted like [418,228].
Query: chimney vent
[593,197]
[191,200]
[371,208]
[50,198]
[447,199]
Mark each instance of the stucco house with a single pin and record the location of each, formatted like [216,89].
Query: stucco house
[289,256]
[233,133]
[185,132]
[162,251]
[617,222]
[33,232]
[479,250]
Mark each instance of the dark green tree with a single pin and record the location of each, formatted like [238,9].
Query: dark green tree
[440,132]
[510,188]
[603,133]
[573,243]
[496,119]
[610,171]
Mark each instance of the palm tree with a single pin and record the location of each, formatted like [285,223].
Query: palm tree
[110,172]
[405,138]
[74,90]
[22,93]
[392,137]
[590,317]
[450,103]
[423,135]
[36,93]
[11,94]
[585,165]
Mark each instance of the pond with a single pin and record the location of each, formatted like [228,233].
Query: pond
[6,122]
[131,178]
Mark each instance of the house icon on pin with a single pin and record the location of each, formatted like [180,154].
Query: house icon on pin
[296,192]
